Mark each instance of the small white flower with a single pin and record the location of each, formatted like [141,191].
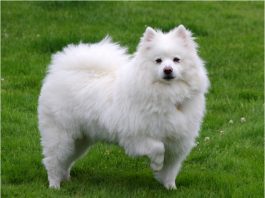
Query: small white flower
[222,132]
[231,122]
[206,139]
[243,119]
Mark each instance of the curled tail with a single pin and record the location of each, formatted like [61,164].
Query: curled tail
[103,57]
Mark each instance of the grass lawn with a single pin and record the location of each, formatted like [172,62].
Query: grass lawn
[231,37]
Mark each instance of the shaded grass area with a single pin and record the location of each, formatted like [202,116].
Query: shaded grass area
[230,35]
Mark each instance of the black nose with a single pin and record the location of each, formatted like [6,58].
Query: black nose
[168,70]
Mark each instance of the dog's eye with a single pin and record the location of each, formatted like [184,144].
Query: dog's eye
[159,60]
[176,59]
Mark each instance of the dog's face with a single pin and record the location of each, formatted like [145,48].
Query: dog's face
[169,55]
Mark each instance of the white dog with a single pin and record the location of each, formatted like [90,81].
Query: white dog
[151,103]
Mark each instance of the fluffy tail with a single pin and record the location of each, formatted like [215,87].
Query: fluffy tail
[102,57]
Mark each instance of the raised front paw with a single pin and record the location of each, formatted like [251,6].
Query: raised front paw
[156,166]
[157,159]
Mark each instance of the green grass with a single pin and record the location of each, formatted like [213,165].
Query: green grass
[231,39]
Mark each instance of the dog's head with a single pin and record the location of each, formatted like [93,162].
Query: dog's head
[169,55]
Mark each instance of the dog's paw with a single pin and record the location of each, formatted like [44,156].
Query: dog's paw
[54,184]
[156,166]
[170,186]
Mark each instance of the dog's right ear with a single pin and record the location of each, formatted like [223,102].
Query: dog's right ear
[149,34]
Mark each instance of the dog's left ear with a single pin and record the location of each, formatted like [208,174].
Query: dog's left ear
[186,36]
[182,32]
[147,38]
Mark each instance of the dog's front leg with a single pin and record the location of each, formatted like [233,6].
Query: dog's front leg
[143,146]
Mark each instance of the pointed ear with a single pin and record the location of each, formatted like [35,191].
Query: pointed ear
[182,32]
[186,35]
[149,34]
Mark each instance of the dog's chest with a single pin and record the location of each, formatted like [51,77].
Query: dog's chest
[166,122]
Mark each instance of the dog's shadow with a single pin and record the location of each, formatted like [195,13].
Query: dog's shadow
[117,179]
[112,179]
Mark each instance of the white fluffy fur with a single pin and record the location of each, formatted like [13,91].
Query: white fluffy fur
[96,92]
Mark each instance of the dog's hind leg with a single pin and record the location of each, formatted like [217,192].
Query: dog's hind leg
[80,148]
[60,150]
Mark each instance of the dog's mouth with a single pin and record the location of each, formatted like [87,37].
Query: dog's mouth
[168,77]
